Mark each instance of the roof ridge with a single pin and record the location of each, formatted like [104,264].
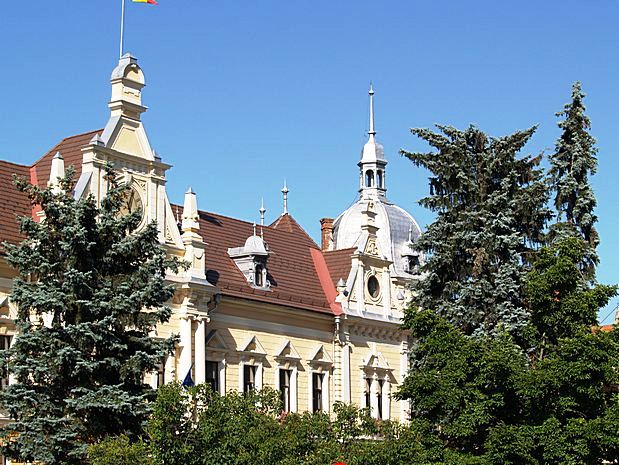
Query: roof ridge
[250,223]
[15,164]
[294,223]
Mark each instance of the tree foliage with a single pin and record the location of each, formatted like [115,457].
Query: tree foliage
[550,401]
[490,208]
[571,165]
[90,290]
[198,427]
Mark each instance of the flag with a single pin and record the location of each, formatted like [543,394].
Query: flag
[188,381]
[152,2]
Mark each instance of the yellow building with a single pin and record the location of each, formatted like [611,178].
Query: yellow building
[260,305]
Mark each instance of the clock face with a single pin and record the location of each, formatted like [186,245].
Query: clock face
[133,202]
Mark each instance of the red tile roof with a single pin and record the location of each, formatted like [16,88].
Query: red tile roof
[339,263]
[13,203]
[301,276]
[70,149]
[293,276]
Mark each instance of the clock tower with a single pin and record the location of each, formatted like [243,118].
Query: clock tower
[124,144]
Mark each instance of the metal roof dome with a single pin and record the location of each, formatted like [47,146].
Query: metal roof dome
[394,224]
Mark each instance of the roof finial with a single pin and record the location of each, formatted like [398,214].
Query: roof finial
[285,192]
[262,212]
[372,131]
[254,228]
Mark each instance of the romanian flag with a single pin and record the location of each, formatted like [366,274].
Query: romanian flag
[152,2]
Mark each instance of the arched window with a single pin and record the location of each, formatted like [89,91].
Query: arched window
[379,179]
[369,178]
[258,281]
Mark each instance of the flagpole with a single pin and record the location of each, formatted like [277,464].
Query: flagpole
[122,26]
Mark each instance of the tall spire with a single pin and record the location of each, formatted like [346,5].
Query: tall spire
[262,212]
[285,192]
[372,131]
[373,163]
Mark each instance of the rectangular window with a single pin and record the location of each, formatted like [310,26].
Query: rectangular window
[212,375]
[379,395]
[317,379]
[284,387]
[161,374]
[5,344]
[368,393]
[249,378]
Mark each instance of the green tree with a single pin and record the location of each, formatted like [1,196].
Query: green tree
[549,400]
[490,208]
[572,163]
[89,291]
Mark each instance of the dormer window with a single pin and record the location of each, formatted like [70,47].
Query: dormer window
[251,260]
[258,281]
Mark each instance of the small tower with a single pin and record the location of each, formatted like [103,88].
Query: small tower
[56,173]
[373,163]
[194,245]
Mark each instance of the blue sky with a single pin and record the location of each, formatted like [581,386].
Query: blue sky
[243,94]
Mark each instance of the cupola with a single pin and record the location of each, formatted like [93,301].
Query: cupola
[372,163]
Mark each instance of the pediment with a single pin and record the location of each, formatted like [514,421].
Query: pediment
[253,346]
[214,341]
[375,360]
[320,356]
[287,351]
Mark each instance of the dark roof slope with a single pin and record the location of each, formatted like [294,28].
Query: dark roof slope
[13,204]
[70,149]
[293,277]
[339,263]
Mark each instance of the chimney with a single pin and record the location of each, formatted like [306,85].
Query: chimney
[326,233]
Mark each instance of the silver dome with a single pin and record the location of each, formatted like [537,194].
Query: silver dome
[394,224]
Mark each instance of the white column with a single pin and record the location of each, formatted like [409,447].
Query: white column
[346,373]
[185,358]
[222,377]
[374,396]
[293,389]
[360,288]
[200,352]
[259,376]
[404,404]
[386,399]
[386,292]
[241,372]
[325,391]
[154,375]
[309,390]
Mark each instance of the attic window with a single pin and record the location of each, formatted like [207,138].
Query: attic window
[412,263]
[258,280]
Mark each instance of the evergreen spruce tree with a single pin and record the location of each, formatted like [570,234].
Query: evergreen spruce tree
[90,290]
[490,208]
[572,163]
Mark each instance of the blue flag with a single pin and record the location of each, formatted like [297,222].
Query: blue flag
[188,381]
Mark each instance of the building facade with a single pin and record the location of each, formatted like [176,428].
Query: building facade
[259,305]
